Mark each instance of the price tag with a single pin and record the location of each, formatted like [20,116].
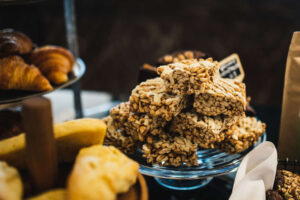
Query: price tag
[231,67]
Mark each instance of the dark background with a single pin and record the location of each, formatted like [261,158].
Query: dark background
[117,36]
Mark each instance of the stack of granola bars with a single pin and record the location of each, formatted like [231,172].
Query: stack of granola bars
[187,107]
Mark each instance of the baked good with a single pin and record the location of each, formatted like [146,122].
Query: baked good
[273,195]
[150,97]
[101,172]
[70,137]
[242,135]
[119,138]
[149,71]
[286,186]
[13,42]
[56,194]
[136,125]
[15,74]
[203,130]
[11,187]
[177,56]
[188,76]
[10,123]
[170,149]
[54,62]
[224,96]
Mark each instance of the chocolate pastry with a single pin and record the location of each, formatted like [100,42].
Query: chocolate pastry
[13,42]
[273,195]
[286,186]
[10,123]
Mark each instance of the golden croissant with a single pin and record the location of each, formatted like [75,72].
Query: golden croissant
[54,62]
[15,74]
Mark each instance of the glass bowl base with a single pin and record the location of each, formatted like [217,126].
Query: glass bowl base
[176,184]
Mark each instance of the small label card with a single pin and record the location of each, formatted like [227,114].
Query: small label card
[231,67]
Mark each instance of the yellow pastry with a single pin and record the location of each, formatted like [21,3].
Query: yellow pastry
[101,172]
[70,137]
[11,187]
[57,194]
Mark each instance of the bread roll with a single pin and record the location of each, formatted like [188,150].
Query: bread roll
[70,137]
[101,172]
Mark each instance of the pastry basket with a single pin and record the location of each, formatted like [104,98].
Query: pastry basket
[211,163]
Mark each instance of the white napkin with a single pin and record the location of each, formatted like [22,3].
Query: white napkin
[256,173]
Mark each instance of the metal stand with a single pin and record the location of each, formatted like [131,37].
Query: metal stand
[71,35]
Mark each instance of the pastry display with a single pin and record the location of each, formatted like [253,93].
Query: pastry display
[14,43]
[101,172]
[70,137]
[54,62]
[11,187]
[36,68]
[286,186]
[150,97]
[188,107]
[15,74]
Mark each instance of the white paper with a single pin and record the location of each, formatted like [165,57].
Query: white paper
[256,173]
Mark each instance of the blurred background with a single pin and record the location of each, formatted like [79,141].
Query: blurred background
[117,36]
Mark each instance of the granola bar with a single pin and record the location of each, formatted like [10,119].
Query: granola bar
[224,96]
[170,149]
[150,97]
[188,76]
[203,130]
[118,138]
[242,135]
[136,125]
[148,71]
[287,184]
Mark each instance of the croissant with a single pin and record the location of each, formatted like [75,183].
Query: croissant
[15,74]
[54,62]
[12,42]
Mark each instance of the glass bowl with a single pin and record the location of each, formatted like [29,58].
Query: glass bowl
[211,163]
